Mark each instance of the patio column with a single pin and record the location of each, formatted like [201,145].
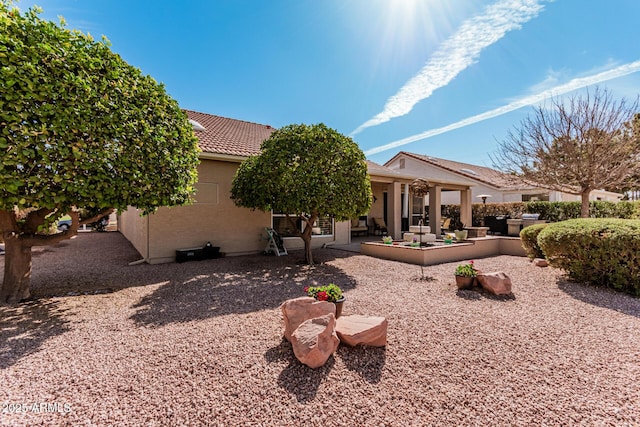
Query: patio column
[466,215]
[394,223]
[435,206]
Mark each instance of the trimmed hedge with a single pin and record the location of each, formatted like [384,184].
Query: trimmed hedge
[549,211]
[560,211]
[529,237]
[604,252]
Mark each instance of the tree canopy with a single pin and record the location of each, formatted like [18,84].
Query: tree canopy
[576,145]
[306,172]
[79,127]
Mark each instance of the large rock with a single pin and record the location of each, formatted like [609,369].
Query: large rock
[298,310]
[540,262]
[356,329]
[497,283]
[315,340]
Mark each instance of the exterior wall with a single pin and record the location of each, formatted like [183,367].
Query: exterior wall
[212,218]
[377,207]
[135,229]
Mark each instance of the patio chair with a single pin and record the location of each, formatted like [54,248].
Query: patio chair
[444,227]
[379,226]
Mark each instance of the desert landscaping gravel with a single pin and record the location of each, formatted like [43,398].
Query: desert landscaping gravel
[200,343]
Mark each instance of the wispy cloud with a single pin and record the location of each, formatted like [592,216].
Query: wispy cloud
[577,83]
[456,53]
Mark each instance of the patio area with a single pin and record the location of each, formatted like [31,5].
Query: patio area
[473,248]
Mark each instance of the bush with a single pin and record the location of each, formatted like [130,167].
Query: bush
[602,252]
[529,237]
[561,211]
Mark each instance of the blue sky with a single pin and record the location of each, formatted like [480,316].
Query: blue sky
[447,78]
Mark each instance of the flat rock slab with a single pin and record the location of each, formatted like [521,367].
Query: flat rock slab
[315,340]
[497,283]
[298,310]
[367,330]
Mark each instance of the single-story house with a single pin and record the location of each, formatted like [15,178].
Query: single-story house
[495,186]
[214,217]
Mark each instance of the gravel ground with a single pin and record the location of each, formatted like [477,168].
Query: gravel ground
[200,343]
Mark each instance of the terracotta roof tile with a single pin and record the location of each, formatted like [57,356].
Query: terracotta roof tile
[229,136]
[482,174]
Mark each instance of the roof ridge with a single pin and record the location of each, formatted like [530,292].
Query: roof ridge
[228,118]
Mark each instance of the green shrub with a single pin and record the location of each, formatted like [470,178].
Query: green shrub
[602,252]
[529,237]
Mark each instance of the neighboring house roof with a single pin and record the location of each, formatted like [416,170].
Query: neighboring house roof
[481,174]
[229,137]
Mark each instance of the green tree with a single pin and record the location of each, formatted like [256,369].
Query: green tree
[79,128]
[577,145]
[305,172]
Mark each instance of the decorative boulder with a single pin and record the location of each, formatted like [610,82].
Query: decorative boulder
[298,310]
[540,262]
[497,283]
[315,340]
[368,330]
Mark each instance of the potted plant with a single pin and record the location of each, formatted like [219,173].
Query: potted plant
[331,293]
[387,240]
[459,231]
[465,275]
[415,243]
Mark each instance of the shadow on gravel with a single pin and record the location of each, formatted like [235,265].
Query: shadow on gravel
[601,297]
[25,328]
[365,360]
[234,285]
[297,378]
[303,382]
[476,294]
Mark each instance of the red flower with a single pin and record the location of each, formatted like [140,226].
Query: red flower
[306,289]
[322,296]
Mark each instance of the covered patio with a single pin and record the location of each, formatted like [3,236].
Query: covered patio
[399,206]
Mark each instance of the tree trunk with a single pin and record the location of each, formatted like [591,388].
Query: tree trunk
[17,271]
[306,237]
[584,207]
[308,255]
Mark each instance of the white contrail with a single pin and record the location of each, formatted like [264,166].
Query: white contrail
[577,83]
[456,53]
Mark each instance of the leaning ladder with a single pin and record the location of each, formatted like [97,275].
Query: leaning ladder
[275,243]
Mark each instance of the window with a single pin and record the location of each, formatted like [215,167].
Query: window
[322,227]
[401,163]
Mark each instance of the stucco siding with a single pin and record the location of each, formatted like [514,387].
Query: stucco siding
[212,218]
[134,228]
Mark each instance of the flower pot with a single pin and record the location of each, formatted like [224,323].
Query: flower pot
[339,306]
[461,235]
[464,282]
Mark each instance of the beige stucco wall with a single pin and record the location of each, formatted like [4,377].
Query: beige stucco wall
[134,228]
[212,218]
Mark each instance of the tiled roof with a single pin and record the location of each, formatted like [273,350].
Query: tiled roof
[482,174]
[229,136]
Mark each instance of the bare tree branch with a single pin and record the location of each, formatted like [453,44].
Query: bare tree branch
[575,145]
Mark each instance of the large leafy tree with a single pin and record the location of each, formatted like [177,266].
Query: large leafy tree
[306,172]
[576,145]
[79,128]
